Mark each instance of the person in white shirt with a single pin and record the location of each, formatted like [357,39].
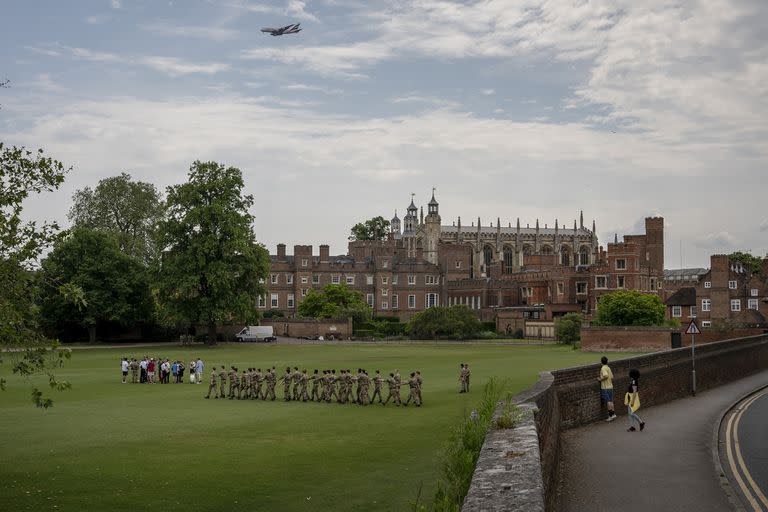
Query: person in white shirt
[192,371]
[124,367]
[199,370]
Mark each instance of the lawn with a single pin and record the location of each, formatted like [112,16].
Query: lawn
[111,446]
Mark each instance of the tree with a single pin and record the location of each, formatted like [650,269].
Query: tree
[629,307]
[376,228]
[752,264]
[568,328]
[212,268]
[453,321]
[335,301]
[131,210]
[22,173]
[115,285]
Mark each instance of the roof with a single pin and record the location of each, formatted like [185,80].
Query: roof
[513,230]
[681,272]
[682,297]
[433,201]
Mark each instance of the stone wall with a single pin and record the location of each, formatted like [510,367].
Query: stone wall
[570,398]
[641,339]
[297,327]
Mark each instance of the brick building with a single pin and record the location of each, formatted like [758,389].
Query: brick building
[536,273]
[727,294]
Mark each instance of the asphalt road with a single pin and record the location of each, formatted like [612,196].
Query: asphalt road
[744,450]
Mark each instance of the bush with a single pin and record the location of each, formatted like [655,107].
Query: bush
[629,307]
[568,328]
[488,326]
[273,313]
[455,321]
[365,333]
[488,335]
[393,329]
[392,319]
[518,334]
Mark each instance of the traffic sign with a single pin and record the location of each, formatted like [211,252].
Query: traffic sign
[692,328]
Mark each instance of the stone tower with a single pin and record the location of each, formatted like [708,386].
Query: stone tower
[394,227]
[654,242]
[431,230]
[411,220]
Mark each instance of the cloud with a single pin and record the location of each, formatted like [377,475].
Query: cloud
[311,88]
[191,31]
[97,19]
[488,92]
[418,98]
[722,241]
[764,226]
[343,60]
[116,4]
[295,9]
[175,67]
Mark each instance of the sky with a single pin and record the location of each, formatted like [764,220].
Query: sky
[530,109]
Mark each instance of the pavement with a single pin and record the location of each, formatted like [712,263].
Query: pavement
[670,466]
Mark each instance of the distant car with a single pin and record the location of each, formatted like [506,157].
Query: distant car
[257,333]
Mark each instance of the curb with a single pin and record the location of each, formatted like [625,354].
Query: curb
[725,484]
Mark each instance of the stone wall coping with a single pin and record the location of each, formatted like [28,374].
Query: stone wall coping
[646,328]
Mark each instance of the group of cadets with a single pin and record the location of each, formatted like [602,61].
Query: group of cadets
[344,387]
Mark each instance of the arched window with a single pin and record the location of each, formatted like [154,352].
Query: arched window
[547,249]
[565,256]
[487,256]
[584,256]
[527,251]
[509,255]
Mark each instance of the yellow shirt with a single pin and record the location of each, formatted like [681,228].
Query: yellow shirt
[628,400]
[607,377]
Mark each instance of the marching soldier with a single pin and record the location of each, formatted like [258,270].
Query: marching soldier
[468,373]
[394,390]
[315,378]
[258,379]
[296,382]
[303,385]
[419,380]
[376,386]
[463,378]
[234,383]
[212,385]
[413,384]
[332,379]
[245,382]
[223,381]
[271,382]
[286,380]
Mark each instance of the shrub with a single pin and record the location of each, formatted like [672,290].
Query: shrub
[568,327]
[488,335]
[273,313]
[454,321]
[365,333]
[518,334]
[629,307]
[488,326]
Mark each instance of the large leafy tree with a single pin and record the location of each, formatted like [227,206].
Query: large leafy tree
[212,268]
[131,210]
[376,228]
[115,285]
[23,173]
[629,307]
[568,328]
[452,321]
[335,301]
[751,263]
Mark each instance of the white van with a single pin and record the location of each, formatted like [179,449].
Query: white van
[256,333]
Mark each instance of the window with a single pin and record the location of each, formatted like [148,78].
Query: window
[707,284]
[526,292]
[458,264]
[560,288]
[291,300]
[315,279]
[335,279]
[677,311]
[411,301]
[303,292]
[706,323]
[620,281]
[274,300]
[385,264]
[693,312]
[394,279]
[430,279]
[384,304]
[732,285]
[735,304]
[753,292]
[581,288]
[706,304]
[431,300]
[395,301]
[289,278]
[384,292]
[350,279]
[653,283]
[262,301]
[273,278]
[304,280]
[369,280]
[601,282]
[621,264]
[304,262]
[411,279]
[369,298]
[752,304]
[384,280]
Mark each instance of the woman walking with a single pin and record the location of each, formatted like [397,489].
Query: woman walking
[632,401]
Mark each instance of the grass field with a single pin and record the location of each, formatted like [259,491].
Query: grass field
[111,446]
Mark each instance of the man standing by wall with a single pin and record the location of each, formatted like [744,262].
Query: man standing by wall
[606,387]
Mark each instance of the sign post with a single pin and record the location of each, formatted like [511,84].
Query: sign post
[693,330]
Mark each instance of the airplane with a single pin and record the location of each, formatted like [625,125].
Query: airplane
[289,29]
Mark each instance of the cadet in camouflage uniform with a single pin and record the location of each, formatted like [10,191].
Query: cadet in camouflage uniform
[394,390]
[245,383]
[362,393]
[419,380]
[258,380]
[134,371]
[332,380]
[271,379]
[468,372]
[345,383]
[296,382]
[376,386]
[303,386]
[413,384]
[234,383]
[315,378]
[286,380]
[212,385]
[223,381]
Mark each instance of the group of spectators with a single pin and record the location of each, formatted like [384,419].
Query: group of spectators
[158,370]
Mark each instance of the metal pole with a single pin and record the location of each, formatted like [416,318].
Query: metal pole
[693,362]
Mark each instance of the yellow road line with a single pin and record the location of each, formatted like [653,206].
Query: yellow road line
[733,424]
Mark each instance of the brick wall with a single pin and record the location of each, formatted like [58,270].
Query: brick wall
[626,338]
[296,327]
[570,398]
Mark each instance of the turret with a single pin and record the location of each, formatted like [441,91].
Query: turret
[394,226]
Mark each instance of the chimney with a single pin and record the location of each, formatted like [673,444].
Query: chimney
[280,252]
[325,255]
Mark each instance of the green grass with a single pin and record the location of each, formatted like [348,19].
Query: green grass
[108,446]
